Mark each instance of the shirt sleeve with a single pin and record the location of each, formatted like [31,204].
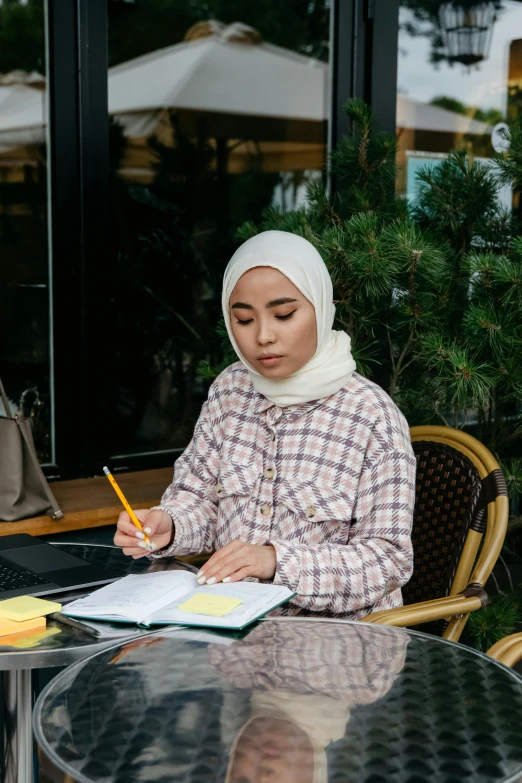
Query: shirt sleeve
[191,499]
[378,557]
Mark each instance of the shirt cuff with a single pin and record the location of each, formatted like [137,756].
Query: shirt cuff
[288,564]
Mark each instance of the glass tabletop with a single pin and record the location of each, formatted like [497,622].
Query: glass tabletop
[290,701]
[60,645]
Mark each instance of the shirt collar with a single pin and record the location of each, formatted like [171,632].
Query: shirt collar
[291,411]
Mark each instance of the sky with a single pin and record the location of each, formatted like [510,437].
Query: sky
[484,85]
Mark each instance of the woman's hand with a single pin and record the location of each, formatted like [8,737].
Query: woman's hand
[157,526]
[237,560]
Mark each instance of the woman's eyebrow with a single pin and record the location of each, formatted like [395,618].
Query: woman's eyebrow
[273,303]
[282,300]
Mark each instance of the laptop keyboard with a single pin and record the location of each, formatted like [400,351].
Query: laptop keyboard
[12,580]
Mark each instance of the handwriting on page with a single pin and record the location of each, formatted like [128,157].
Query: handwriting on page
[137,591]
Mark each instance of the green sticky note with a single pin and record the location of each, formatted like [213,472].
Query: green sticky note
[206,603]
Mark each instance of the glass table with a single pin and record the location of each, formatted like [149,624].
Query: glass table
[288,701]
[58,645]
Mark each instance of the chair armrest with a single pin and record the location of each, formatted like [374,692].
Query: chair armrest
[508,650]
[426,611]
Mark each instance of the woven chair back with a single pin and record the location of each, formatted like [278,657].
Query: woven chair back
[448,486]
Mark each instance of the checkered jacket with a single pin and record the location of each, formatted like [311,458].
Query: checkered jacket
[329,484]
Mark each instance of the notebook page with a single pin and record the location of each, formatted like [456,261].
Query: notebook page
[133,597]
[257,599]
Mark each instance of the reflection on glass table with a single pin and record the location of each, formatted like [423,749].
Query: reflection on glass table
[57,645]
[289,701]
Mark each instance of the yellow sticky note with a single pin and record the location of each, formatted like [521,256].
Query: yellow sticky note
[28,641]
[13,626]
[25,607]
[206,603]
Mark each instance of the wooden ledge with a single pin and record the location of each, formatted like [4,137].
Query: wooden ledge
[92,502]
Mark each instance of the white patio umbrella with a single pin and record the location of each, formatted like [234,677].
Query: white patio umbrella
[423,116]
[210,72]
[22,115]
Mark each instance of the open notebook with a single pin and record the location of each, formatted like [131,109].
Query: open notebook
[155,599]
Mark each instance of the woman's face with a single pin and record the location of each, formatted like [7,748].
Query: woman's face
[272,322]
[271,750]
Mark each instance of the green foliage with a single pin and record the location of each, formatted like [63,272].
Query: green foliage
[22,36]
[456,198]
[498,619]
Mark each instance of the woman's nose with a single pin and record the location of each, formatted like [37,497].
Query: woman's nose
[265,335]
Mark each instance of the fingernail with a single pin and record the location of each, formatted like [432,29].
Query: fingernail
[211,580]
[139,534]
[201,580]
[199,573]
[152,545]
[147,529]
[226,579]
[143,545]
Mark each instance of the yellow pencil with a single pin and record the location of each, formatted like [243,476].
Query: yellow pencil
[126,505]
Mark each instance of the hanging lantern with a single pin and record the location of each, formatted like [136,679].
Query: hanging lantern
[466,29]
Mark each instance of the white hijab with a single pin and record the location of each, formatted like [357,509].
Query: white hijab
[332,365]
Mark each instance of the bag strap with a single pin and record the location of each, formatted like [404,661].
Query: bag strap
[7,407]
[57,512]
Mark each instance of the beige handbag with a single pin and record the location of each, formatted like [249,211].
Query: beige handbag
[24,491]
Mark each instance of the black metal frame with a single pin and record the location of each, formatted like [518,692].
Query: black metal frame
[363,59]
[364,36]
[79,168]
[65,237]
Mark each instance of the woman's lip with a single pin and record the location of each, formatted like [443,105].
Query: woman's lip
[268,361]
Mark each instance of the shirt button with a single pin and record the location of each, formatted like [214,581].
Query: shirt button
[219,489]
[269,473]
[272,436]
[310,512]
[265,510]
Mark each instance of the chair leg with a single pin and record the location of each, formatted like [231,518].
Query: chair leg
[455,627]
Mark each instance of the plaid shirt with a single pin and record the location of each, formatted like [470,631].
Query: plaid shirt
[329,484]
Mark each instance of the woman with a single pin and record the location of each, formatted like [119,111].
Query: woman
[300,471]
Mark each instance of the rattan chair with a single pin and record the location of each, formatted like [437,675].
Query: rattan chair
[508,650]
[461,503]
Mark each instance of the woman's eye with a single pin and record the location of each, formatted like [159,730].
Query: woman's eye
[244,323]
[285,317]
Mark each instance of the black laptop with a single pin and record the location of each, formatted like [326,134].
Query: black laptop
[30,566]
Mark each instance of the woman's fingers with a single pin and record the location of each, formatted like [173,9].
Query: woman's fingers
[129,542]
[219,557]
[239,575]
[128,528]
[134,552]
[228,563]
[129,537]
